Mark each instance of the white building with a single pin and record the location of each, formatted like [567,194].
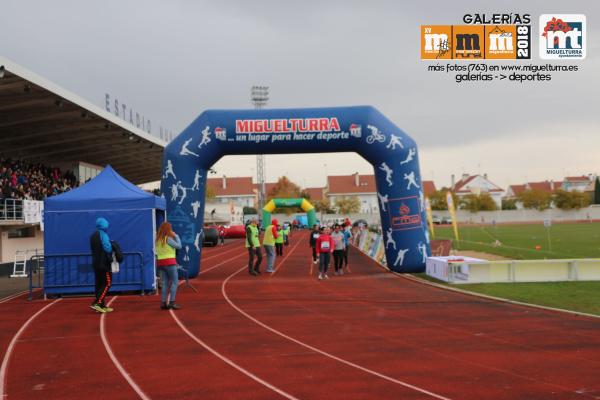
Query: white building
[478,184]
[361,186]
[238,191]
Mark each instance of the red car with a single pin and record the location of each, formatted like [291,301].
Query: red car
[235,232]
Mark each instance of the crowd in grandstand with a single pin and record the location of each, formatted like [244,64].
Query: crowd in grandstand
[21,180]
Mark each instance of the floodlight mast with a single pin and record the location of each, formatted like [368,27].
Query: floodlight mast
[260,96]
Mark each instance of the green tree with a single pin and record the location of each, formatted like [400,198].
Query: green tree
[570,200]
[323,206]
[597,191]
[284,189]
[536,199]
[348,205]
[304,194]
[481,202]
[509,204]
[437,200]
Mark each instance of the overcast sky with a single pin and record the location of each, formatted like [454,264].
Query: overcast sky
[170,60]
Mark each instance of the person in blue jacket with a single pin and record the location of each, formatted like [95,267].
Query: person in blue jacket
[102,251]
[347,237]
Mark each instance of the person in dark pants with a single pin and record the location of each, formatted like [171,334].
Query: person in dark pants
[338,250]
[312,241]
[253,246]
[102,250]
[347,236]
[279,241]
[222,235]
[324,247]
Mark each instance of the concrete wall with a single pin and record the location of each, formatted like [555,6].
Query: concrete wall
[8,247]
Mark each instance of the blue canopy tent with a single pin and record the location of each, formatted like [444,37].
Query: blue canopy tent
[70,219]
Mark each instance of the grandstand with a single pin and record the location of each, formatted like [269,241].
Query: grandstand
[57,140]
[43,123]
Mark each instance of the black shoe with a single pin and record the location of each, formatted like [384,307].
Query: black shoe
[174,306]
[164,306]
[254,273]
[257,272]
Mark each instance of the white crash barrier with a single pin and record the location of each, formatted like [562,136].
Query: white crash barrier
[456,269]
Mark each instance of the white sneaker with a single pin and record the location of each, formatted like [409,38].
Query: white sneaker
[326,277]
[341,272]
[320,276]
[314,262]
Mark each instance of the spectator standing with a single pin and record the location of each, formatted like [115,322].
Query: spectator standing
[167,244]
[253,246]
[102,251]
[269,244]
[279,241]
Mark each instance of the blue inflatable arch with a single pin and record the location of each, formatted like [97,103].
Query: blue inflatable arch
[361,129]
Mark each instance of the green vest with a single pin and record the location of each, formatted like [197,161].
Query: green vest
[279,238]
[254,237]
[164,251]
[286,231]
[269,240]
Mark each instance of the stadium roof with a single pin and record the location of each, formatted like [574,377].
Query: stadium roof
[42,122]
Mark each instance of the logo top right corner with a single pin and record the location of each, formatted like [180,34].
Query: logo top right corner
[562,36]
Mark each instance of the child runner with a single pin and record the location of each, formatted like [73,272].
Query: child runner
[338,249]
[324,247]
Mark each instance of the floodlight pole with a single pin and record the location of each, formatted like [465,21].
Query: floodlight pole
[259,96]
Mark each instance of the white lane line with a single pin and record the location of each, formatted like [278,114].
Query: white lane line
[222,357]
[219,254]
[12,344]
[114,359]
[316,350]
[229,361]
[13,296]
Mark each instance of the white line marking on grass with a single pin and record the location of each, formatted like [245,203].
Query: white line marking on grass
[12,344]
[316,350]
[115,360]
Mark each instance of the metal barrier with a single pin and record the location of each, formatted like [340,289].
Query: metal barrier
[11,210]
[72,271]
[35,266]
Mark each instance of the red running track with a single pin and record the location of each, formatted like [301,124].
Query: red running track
[365,335]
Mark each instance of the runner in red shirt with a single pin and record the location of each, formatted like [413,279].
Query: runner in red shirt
[324,249]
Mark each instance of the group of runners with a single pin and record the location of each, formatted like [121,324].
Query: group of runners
[325,241]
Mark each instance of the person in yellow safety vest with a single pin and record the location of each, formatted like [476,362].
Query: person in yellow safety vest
[279,241]
[253,246]
[167,243]
[269,244]
[286,234]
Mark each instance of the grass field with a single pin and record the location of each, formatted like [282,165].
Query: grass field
[519,241]
[575,296]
